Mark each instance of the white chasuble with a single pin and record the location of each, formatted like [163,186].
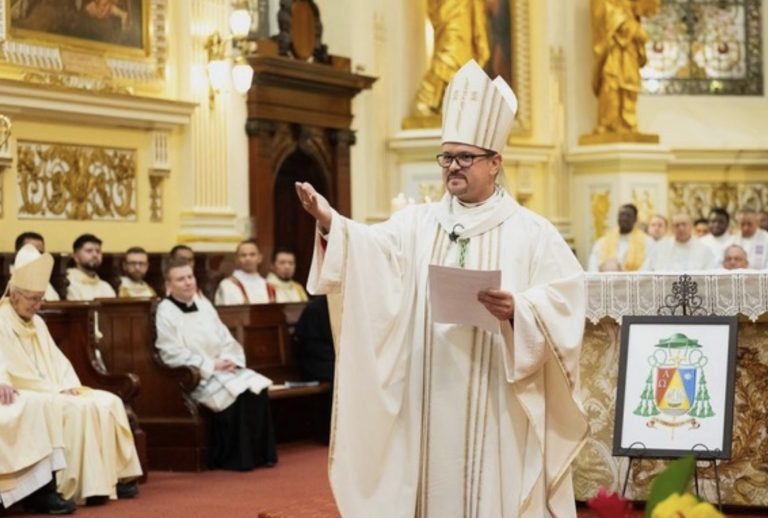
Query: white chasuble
[198,338]
[99,448]
[31,443]
[441,420]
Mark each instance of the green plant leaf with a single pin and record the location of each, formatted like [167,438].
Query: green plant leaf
[675,479]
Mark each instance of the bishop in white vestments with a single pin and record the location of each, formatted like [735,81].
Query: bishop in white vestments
[444,420]
[99,447]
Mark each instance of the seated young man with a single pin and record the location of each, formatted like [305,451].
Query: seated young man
[135,267]
[281,277]
[100,454]
[245,285]
[84,281]
[190,332]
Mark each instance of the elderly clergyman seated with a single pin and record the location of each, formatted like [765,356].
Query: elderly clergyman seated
[735,258]
[190,332]
[100,454]
[31,450]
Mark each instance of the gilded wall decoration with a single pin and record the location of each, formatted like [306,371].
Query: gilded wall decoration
[601,204]
[697,199]
[643,200]
[58,181]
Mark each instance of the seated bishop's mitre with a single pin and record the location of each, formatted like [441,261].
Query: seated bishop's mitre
[478,111]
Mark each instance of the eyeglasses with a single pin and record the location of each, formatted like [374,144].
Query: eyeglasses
[463,159]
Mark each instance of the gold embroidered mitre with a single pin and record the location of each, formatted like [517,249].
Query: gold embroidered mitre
[31,269]
[478,111]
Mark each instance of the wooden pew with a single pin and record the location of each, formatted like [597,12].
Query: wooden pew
[265,331]
[71,325]
[176,433]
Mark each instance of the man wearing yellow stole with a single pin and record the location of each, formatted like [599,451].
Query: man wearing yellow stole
[100,454]
[624,248]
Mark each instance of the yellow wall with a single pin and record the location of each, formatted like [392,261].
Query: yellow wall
[117,236]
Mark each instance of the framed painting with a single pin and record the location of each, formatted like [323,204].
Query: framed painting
[111,45]
[675,391]
[115,25]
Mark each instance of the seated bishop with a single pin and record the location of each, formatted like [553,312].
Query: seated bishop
[190,332]
[101,458]
[245,285]
[37,240]
[281,277]
[31,451]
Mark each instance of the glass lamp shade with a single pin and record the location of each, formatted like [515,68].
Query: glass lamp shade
[218,71]
[240,23]
[242,77]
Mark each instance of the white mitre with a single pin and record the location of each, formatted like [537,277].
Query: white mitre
[31,269]
[478,111]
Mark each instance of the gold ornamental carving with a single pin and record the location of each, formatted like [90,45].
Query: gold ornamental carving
[6,156]
[601,204]
[58,181]
[618,48]
[697,199]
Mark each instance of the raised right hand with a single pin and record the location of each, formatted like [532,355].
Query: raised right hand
[314,203]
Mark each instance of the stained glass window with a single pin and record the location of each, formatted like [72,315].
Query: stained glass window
[705,47]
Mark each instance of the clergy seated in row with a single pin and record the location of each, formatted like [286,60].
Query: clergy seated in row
[735,258]
[753,239]
[245,285]
[718,238]
[701,227]
[626,245]
[100,455]
[442,418]
[31,450]
[36,240]
[657,227]
[281,277]
[681,252]
[135,266]
[190,332]
[83,281]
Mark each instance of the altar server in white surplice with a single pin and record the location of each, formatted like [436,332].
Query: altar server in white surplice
[100,454]
[245,285]
[681,252]
[436,420]
[190,332]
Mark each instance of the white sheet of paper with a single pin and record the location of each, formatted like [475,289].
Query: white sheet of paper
[453,296]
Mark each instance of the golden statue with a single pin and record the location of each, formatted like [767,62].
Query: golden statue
[618,47]
[460,35]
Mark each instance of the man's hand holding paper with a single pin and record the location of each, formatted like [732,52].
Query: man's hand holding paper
[468,297]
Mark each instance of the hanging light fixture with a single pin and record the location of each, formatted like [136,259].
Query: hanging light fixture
[227,57]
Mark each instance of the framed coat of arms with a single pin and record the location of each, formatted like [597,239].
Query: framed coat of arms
[675,393]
